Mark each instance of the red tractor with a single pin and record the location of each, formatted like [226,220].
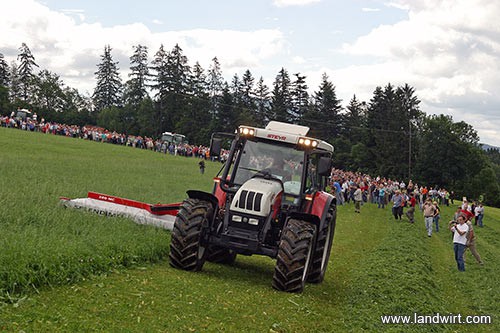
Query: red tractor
[268,199]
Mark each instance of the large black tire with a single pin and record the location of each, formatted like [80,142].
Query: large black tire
[220,255]
[186,249]
[294,256]
[323,249]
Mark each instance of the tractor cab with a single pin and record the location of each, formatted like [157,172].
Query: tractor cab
[280,153]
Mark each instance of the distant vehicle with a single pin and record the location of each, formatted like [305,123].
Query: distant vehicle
[176,139]
[22,114]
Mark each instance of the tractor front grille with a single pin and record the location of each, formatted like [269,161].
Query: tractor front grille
[250,200]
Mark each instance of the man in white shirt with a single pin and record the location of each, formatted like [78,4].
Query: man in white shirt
[459,240]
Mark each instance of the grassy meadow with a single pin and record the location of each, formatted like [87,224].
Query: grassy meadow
[70,271]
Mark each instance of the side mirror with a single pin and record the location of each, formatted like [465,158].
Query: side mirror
[215,146]
[324,166]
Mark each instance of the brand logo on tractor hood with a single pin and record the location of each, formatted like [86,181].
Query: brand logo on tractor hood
[277,137]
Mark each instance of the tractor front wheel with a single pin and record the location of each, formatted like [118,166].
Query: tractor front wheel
[187,250]
[294,256]
[323,249]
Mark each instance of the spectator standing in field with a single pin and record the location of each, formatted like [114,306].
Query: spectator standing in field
[410,213]
[358,197]
[429,211]
[459,229]
[381,196]
[436,216]
[465,205]
[397,207]
[338,192]
[471,243]
[202,166]
[479,214]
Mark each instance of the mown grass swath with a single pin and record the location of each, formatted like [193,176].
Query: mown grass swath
[378,265]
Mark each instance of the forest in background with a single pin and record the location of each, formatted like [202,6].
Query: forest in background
[388,136]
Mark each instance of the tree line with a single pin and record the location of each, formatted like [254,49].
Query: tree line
[389,135]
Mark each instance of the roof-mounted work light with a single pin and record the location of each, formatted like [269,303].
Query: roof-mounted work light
[308,143]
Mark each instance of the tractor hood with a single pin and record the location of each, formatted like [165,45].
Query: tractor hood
[256,197]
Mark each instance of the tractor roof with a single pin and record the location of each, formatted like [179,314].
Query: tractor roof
[289,133]
[287,128]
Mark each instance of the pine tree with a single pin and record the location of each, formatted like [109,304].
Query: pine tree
[15,83]
[238,114]
[215,87]
[179,74]
[25,71]
[411,118]
[300,99]
[281,100]
[226,120]
[262,103]
[48,91]
[353,124]
[324,116]
[248,102]
[4,72]
[139,75]
[195,123]
[109,87]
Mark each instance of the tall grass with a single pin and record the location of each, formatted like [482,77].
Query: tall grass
[44,244]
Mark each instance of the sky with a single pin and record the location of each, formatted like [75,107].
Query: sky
[449,51]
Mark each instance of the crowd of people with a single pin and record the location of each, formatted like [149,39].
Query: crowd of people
[364,189]
[99,134]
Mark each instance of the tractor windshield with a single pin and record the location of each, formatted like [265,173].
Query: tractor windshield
[284,163]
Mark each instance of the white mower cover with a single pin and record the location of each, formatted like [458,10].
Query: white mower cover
[139,212]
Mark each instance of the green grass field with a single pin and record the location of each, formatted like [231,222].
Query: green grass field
[71,271]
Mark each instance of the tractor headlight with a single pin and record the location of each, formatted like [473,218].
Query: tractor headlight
[236,218]
[306,142]
[247,131]
[253,221]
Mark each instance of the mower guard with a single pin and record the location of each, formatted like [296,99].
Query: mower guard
[160,215]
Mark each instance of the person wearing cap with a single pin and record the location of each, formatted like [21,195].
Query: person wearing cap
[459,229]
[429,211]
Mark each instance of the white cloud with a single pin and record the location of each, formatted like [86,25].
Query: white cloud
[288,3]
[448,50]
[72,49]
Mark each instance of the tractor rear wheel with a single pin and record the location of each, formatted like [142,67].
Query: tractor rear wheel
[187,250]
[294,256]
[322,250]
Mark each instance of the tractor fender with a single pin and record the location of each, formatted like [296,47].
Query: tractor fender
[313,219]
[195,194]
[321,203]
[205,196]
[318,211]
